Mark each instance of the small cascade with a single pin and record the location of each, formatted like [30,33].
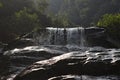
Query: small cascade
[62,36]
[82,37]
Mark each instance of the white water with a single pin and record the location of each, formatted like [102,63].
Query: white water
[82,39]
[62,36]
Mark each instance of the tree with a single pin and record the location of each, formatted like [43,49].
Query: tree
[83,12]
[21,16]
[112,24]
[24,21]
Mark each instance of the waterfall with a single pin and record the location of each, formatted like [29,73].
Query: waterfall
[62,36]
[82,38]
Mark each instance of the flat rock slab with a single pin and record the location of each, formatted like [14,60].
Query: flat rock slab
[27,55]
[32,51]
[19,58]
[85,77]
[91,62]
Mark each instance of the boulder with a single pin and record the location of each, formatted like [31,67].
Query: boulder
[75,63]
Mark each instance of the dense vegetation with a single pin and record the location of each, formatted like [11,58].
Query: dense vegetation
[18,17]
[83,12]
[112,24]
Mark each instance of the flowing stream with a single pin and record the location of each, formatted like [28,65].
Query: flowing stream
[49,43]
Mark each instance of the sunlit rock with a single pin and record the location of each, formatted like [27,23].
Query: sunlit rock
[84,77]
[75,63]
[31,54]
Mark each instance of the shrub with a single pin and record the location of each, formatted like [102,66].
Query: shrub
[111,22]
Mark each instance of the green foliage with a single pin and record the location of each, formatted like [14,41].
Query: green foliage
[109,20]
[24,21]
[22,16]
[83,12]
[1,5]
[18,17]
[112,23]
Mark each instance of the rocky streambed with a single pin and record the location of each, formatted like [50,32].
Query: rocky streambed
[60,54]
[53,62]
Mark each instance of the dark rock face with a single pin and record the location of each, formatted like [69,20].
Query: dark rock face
[4,62]
[20,43]
[96,36]
[2,45]
[75,63]
[94,31]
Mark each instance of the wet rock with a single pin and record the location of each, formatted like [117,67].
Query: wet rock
[4,64]
[58,47]
[66,77]
[97,68]
[30,54]
[19,43]
[94,31]
[97,49]
[85,77]
[4,61]
[96,36]
[19,58]
[2,45]
[75,63]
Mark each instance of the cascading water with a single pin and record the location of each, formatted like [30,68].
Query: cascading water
[82,38]
[51,42]
[62,36]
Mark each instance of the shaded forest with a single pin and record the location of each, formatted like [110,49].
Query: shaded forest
[83,12]
[18,17]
